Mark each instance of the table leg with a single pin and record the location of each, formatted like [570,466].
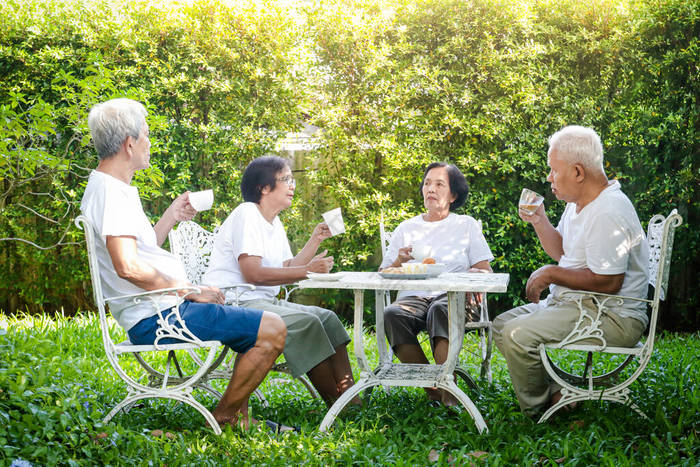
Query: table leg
[367,378]
[358,343]
[455,311]
[384,356]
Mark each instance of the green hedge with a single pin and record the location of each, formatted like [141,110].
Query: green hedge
[394,85]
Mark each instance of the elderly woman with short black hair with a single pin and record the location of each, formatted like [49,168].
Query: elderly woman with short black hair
[252,247]
[452,239]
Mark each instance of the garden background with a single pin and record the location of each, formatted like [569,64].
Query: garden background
[392,85]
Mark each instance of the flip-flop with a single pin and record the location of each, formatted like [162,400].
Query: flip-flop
[278,428]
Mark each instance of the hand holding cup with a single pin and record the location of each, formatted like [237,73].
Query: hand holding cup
[529,201]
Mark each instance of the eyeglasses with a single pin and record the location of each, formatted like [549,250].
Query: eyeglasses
[289,180]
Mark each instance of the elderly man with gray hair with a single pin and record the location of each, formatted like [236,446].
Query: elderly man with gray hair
[132,261]
[599,245]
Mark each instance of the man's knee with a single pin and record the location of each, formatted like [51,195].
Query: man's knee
[273,332]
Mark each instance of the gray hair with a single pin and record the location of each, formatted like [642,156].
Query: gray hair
[112,121]
[578,145]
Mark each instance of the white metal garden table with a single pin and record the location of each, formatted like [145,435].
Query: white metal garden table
[401,374]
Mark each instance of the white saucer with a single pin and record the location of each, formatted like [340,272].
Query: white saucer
[329,276]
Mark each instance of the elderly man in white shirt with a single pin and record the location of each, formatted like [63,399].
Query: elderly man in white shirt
[132,261]
[599,245]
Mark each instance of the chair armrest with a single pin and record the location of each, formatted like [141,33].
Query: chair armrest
[588,327]
[288,291]
[149,293]
[178,329]
[232,286]
[605,296]
[235,287]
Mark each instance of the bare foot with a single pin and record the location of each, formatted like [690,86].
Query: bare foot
[434,394]
[449,400]
[236,421]
[556,397]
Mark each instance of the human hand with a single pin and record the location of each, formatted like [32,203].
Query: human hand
[320,263]
[181,209]
[404,255]
[537,282]
[479,270]
[208,294]
[535,218]
[475,298]
[321,232]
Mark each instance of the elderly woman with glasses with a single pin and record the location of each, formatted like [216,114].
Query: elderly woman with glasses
[252,247]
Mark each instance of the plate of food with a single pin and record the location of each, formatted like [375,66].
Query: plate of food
[329,276]
[413,271]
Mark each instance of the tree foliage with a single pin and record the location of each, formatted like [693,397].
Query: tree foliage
[394,85]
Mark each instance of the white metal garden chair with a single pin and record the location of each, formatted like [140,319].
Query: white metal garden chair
[193,245]
[482,326]
[172,382]
[610,384]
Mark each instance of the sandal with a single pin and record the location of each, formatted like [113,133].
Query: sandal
[278,428]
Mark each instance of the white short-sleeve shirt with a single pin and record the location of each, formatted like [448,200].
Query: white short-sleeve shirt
[246,231]
[607,238]
[114,208]
[457,241]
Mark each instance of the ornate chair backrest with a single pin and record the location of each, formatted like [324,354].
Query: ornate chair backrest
[384,237]
[193,245]
[82,223]
[660,234]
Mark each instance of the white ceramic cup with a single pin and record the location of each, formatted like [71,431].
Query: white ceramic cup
[334,220]
[420,252]
[530,201]
[202,200]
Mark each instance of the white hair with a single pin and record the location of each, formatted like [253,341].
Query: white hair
[578,145]
[112,121]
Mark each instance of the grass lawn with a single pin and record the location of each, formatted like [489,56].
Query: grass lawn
[56,386]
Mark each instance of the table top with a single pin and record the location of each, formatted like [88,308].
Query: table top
[448,281]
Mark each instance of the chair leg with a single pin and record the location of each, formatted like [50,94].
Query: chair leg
[283,368]
[570,393]
[462,373]
[130,399]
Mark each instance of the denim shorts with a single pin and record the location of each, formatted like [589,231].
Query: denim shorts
[235,327]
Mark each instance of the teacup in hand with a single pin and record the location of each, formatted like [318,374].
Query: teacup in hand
[334,220]
[420,252]
[530,201]
[201,200]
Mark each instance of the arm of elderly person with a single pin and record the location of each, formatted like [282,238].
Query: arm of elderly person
[578,279]
[179,210]
[255,273]
[130,267]
[307,254]
[549,237]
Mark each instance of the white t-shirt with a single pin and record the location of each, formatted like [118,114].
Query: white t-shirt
[607,238]
[456,241]
[246,231]
[114,208]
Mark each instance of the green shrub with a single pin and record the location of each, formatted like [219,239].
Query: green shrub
[394,85]
[483,84]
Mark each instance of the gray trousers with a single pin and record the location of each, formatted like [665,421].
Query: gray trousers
[313,333]
[408,316]
[518,333]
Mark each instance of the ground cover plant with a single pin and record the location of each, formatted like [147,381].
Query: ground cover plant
[55,387]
